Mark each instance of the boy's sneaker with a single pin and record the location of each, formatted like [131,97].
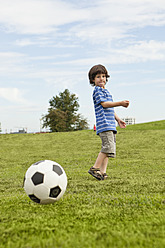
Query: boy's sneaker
[95,172]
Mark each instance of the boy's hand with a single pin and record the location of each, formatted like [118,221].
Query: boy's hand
[121,123]
[125,103]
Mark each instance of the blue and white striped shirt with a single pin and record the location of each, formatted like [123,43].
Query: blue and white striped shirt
[105,117]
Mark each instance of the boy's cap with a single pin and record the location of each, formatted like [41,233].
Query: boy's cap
[97,69]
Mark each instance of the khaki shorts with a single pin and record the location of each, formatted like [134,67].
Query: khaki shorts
[108,143]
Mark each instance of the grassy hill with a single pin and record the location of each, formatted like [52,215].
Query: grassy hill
[126,210]
[155,125]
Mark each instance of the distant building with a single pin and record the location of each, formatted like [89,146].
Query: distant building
[129,120]
[22,131]
[19,131]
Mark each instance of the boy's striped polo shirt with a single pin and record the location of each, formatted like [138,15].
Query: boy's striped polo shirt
[105,117]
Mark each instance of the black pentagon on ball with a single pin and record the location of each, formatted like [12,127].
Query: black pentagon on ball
[34,198]
[38,178]
[54,192]
[57,169]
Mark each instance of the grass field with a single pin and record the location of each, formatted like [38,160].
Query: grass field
[126,210]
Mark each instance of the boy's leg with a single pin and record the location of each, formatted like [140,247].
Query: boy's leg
[100,160]
[108,148]
[95,170]
[104,164]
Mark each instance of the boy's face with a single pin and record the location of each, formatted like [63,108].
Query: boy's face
[100,80]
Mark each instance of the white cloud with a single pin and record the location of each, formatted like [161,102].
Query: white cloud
[52,70]
[43,42]
[12,95]
[137,51]
[25,42]
[102,21]
[157,82]
[12,62]
[37,16]
[111,20]
[144,51]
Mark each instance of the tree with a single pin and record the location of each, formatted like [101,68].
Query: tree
[62,114]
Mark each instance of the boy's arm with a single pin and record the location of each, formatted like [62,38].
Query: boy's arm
[124,103]
[121,123]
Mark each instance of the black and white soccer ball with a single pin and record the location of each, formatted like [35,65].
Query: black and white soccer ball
[45,182]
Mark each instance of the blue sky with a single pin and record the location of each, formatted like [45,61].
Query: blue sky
[47,46]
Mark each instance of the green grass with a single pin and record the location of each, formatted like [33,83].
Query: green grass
[156,125]
[126,210]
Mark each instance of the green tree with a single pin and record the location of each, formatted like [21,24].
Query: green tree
[62,114]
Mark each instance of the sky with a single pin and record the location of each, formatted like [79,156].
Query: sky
[47,46]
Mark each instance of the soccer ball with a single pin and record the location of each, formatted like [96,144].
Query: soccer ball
[45,182]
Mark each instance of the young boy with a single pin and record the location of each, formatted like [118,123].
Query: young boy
[105,120]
